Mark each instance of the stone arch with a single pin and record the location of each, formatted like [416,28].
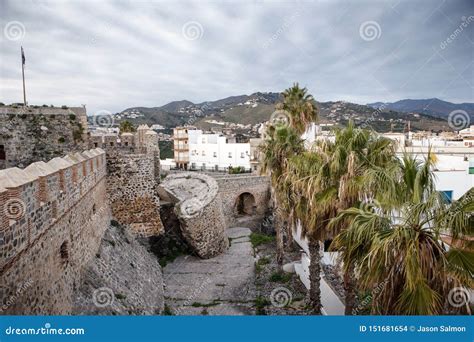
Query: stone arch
[245,204]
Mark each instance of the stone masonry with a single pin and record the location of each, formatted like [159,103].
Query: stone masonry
[198,207]
[133,175]
[52,219]
[231,187]
[32,134]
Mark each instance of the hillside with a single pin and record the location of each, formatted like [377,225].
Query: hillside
[433,107]
[244,112]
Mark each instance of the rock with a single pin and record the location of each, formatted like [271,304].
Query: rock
[124,279]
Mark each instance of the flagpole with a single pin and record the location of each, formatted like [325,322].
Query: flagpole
[23,74]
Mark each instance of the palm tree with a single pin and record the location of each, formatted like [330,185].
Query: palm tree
[282,142]
[127,126]
[334,176]
[397,241]
[300,107]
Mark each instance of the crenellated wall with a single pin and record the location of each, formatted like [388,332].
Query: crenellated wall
[52,218]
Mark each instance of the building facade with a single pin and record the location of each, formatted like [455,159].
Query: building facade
[196,150]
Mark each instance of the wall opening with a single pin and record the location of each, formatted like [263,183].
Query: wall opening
[64,253]
[245,204]
[2,152]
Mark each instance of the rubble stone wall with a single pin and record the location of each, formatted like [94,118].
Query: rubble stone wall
[132,182]
[198,208]
[31,134]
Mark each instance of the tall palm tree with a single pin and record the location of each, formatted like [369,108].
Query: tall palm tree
[300,107]
[332,177]
[281,143]
[395,241]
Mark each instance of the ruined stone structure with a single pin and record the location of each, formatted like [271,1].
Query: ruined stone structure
[133,174]
[198,207]
[52,219]
[244,197]
[32,134]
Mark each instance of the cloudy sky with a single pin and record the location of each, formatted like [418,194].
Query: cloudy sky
[119,54]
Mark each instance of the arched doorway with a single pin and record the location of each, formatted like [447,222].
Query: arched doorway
[245,204]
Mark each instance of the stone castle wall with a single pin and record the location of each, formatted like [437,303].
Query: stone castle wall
[52,219]
[31,134]
[233,186]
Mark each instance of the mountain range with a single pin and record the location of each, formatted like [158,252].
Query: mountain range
[433,107]
[246,111]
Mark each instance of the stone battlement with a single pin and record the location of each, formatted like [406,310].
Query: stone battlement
[34,198]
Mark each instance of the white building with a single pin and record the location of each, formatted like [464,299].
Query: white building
[214,152]
[196,150]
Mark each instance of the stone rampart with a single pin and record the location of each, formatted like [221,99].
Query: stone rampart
[52,219]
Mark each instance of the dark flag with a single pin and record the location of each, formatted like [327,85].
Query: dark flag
[22,56]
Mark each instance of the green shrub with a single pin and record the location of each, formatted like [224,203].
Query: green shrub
[61,140]
[258,239]
[280,277]
[72,117]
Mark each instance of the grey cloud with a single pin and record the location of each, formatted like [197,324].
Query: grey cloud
[117,54]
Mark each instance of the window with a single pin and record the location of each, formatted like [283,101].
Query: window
[111,143]
[230,154]
[2,152]
[203,153]
[242,155]
[447,195]
[96,144]
[215,154]
[126,143]
[203,140]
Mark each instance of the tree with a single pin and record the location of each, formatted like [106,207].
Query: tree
[334,176]
[127,126]
[300,107]
[282,142]
[409,242]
